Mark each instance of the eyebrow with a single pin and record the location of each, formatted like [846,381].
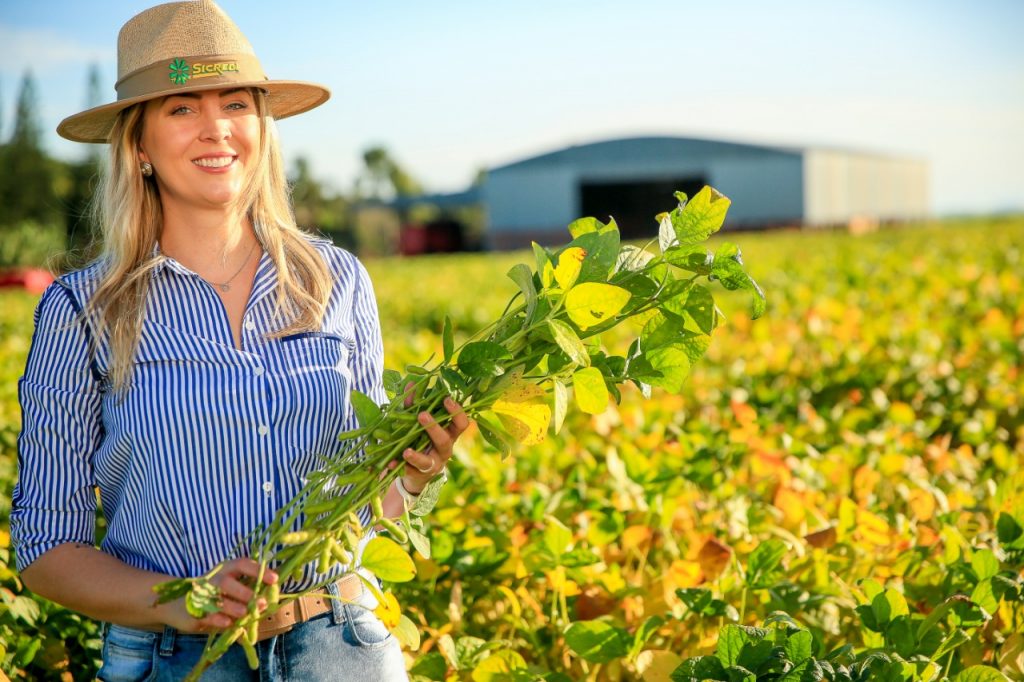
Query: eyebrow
[196,95]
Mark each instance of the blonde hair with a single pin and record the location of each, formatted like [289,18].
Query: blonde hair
[127,211]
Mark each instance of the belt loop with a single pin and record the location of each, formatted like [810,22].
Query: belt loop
[167,641]
[104,627]
[337,610]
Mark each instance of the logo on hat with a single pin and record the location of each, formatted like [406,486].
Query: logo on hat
[180,71]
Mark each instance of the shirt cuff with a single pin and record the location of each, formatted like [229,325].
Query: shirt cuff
[36,531]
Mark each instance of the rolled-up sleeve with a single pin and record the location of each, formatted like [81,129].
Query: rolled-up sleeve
[60,395]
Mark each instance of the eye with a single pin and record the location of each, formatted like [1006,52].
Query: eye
[237,106]
[181,108]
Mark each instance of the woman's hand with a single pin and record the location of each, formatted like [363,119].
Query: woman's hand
[421,467]
[234,601]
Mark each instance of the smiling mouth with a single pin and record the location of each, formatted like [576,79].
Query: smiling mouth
[214,162]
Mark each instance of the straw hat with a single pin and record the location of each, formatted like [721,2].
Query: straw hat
[186,47]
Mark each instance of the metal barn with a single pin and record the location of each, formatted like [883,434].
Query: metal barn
[632,179]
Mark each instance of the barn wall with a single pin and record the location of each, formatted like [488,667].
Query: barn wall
[763,189]
[840,186]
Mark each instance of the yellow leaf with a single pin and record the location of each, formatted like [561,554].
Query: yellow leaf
[591,392]
[388,560]
[922,503]
[569,265]
[407,634]
[873,528]
[591,303]
[389,611]
[523,410]
[657,665]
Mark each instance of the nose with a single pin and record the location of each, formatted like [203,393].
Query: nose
[216,127]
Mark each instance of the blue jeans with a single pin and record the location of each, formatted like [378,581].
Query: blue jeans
[347,643]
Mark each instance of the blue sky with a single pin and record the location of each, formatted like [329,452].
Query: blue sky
[451,87]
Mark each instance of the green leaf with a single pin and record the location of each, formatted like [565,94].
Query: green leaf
[696,259]
[495,435]
[591,303]
[699,669]
[557,538]
[392,380]
[420,542]
[431,666]
[985,564]
[601,249]
[498,666]
[386,559]
[632,258]
[597,641]
[561,396]
[569,342]
[1008,529]
[585,225]
[481,359]
[591,391]
[202,598]
[888,605]
[407,634]
[980,673]
[763,563]
[643,633]
[798,646]
[448,339]
[701,217]
[695,303]
[672,363]
[543,259]
[728,269]
[983,596]
[367,412]
[731,640]
[25,609]
[523,277]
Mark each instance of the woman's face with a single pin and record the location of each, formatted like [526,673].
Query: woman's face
[202,146]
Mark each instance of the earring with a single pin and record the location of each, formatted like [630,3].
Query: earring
[147,169]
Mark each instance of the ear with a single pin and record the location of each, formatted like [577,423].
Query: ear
[142,155]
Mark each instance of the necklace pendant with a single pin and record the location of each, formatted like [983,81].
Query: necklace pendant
[225,287]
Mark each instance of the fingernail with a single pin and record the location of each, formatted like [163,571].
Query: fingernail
[424,417]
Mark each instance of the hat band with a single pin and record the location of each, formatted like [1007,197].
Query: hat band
[189,73]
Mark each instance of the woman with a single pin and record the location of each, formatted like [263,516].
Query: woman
[197,369]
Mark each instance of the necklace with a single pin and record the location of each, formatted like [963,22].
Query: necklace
[226,286]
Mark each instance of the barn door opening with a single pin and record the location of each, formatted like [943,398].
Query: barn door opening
[634,204]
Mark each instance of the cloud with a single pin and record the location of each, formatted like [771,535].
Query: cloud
[44,50]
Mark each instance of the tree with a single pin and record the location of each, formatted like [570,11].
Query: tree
[27,191]
[382,178]
[83,176]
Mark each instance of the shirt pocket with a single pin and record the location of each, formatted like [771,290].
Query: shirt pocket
[319,378]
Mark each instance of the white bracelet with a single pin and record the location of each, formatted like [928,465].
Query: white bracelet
[409,497]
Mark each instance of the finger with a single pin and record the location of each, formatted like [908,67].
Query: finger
[409,393]
[438,436]
[230,589]
[460,422]
[423,463]
[216,621]
[248,567]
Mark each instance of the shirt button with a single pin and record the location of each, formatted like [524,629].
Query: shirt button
[258,371]
[263,430]
[250,325]
[268,487]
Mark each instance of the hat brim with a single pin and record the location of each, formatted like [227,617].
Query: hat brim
[285,98]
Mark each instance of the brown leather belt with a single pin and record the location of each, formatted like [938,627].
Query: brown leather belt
[350,588]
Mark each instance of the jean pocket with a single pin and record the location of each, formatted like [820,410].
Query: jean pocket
[364,629]
[128,655]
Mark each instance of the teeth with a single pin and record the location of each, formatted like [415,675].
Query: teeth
[215,162]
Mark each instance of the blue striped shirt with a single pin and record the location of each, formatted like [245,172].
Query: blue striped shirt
[210,441]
